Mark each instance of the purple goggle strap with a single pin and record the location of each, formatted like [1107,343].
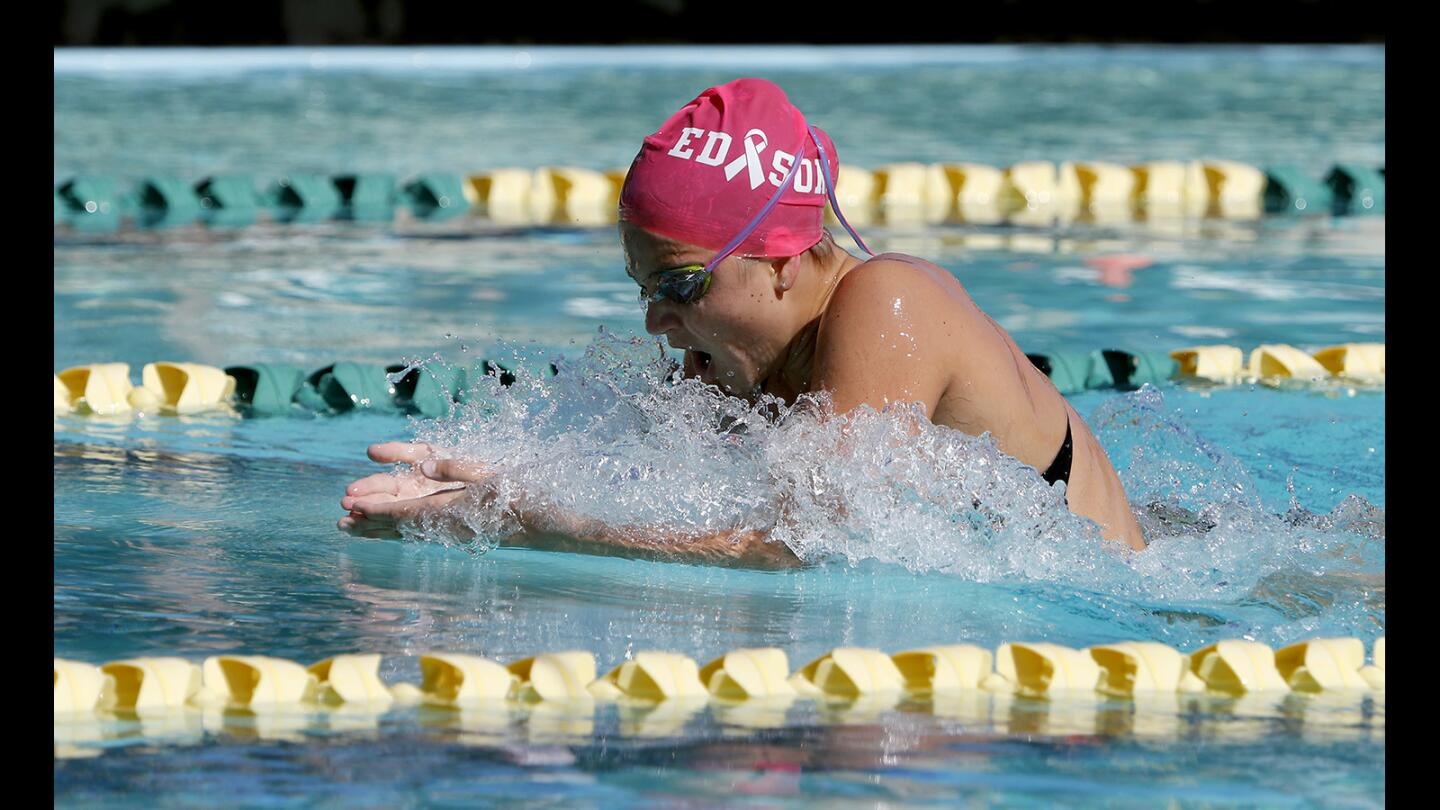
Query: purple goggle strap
[775,200]
[830,191]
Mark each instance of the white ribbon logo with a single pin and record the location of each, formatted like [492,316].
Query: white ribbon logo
[755,142]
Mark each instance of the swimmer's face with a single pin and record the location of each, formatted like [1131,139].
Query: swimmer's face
[735,334]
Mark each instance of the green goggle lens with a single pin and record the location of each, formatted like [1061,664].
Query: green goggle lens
[683,285]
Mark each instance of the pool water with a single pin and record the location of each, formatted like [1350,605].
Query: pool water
[209,534]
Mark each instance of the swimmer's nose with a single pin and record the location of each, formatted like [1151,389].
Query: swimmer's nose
[660,318]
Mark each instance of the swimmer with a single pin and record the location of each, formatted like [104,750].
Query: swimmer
[721,221]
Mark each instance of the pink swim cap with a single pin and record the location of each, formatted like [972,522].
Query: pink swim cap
[717,163]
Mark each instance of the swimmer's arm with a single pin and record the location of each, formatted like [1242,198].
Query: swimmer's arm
[379,504]
[552,530]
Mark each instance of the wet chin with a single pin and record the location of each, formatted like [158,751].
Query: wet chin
[730,380]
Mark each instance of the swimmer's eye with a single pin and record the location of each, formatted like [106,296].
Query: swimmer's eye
[683,285]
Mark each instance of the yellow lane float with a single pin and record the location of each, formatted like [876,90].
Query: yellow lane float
[913,193]
[100,388]
[1041,669]
[512,196]
[856,191]
[652,676]
[975,183]
[848,672]
[1160,183]
[1322,664]
[258,680]
[1102,183]
[1031,183]
[1142,666]
[979,191]
[1215,363]
[454,678]
[1274,361]
[182,388]
[154,683]
[1237,667]
[556,676]
[582,196]
[946,668]
[1237,190]
[749,673]
[351,679]
[81,687]
[1362,362]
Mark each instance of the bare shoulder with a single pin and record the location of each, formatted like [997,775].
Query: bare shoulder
[894,272]
[892,288]
[883,335]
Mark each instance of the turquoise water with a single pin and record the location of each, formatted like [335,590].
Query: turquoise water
[209,534]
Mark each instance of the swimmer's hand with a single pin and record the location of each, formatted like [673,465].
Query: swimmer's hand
[378,505]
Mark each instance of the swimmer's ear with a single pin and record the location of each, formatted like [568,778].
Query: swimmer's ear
[787,272]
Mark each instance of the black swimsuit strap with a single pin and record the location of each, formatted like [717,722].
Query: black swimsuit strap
[1060,467]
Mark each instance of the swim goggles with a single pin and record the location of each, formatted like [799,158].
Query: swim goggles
[688,284]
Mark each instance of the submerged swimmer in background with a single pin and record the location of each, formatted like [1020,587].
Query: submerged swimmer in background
[722,228]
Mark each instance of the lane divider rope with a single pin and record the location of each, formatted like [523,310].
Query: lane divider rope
[1032,192]
[569,682]
[269,389]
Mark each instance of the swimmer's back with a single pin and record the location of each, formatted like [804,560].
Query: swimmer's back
[990,385]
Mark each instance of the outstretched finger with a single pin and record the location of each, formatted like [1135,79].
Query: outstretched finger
[379,507]
[454,470]
[377,484]
[393,452]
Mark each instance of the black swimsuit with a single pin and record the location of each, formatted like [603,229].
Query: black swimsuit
[1060,467]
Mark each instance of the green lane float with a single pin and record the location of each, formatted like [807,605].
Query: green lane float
[343,387]
[367,197]
[228,199]
[268,389]
[1116,368]
[429,391]
[1033,192]
[1069,371]
[303,198]
[1073,372]
[1289,190]
[93,202]
[167,201]
[437,196]
[1357,189]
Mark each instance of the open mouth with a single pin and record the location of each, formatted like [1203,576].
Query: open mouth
[698,362]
